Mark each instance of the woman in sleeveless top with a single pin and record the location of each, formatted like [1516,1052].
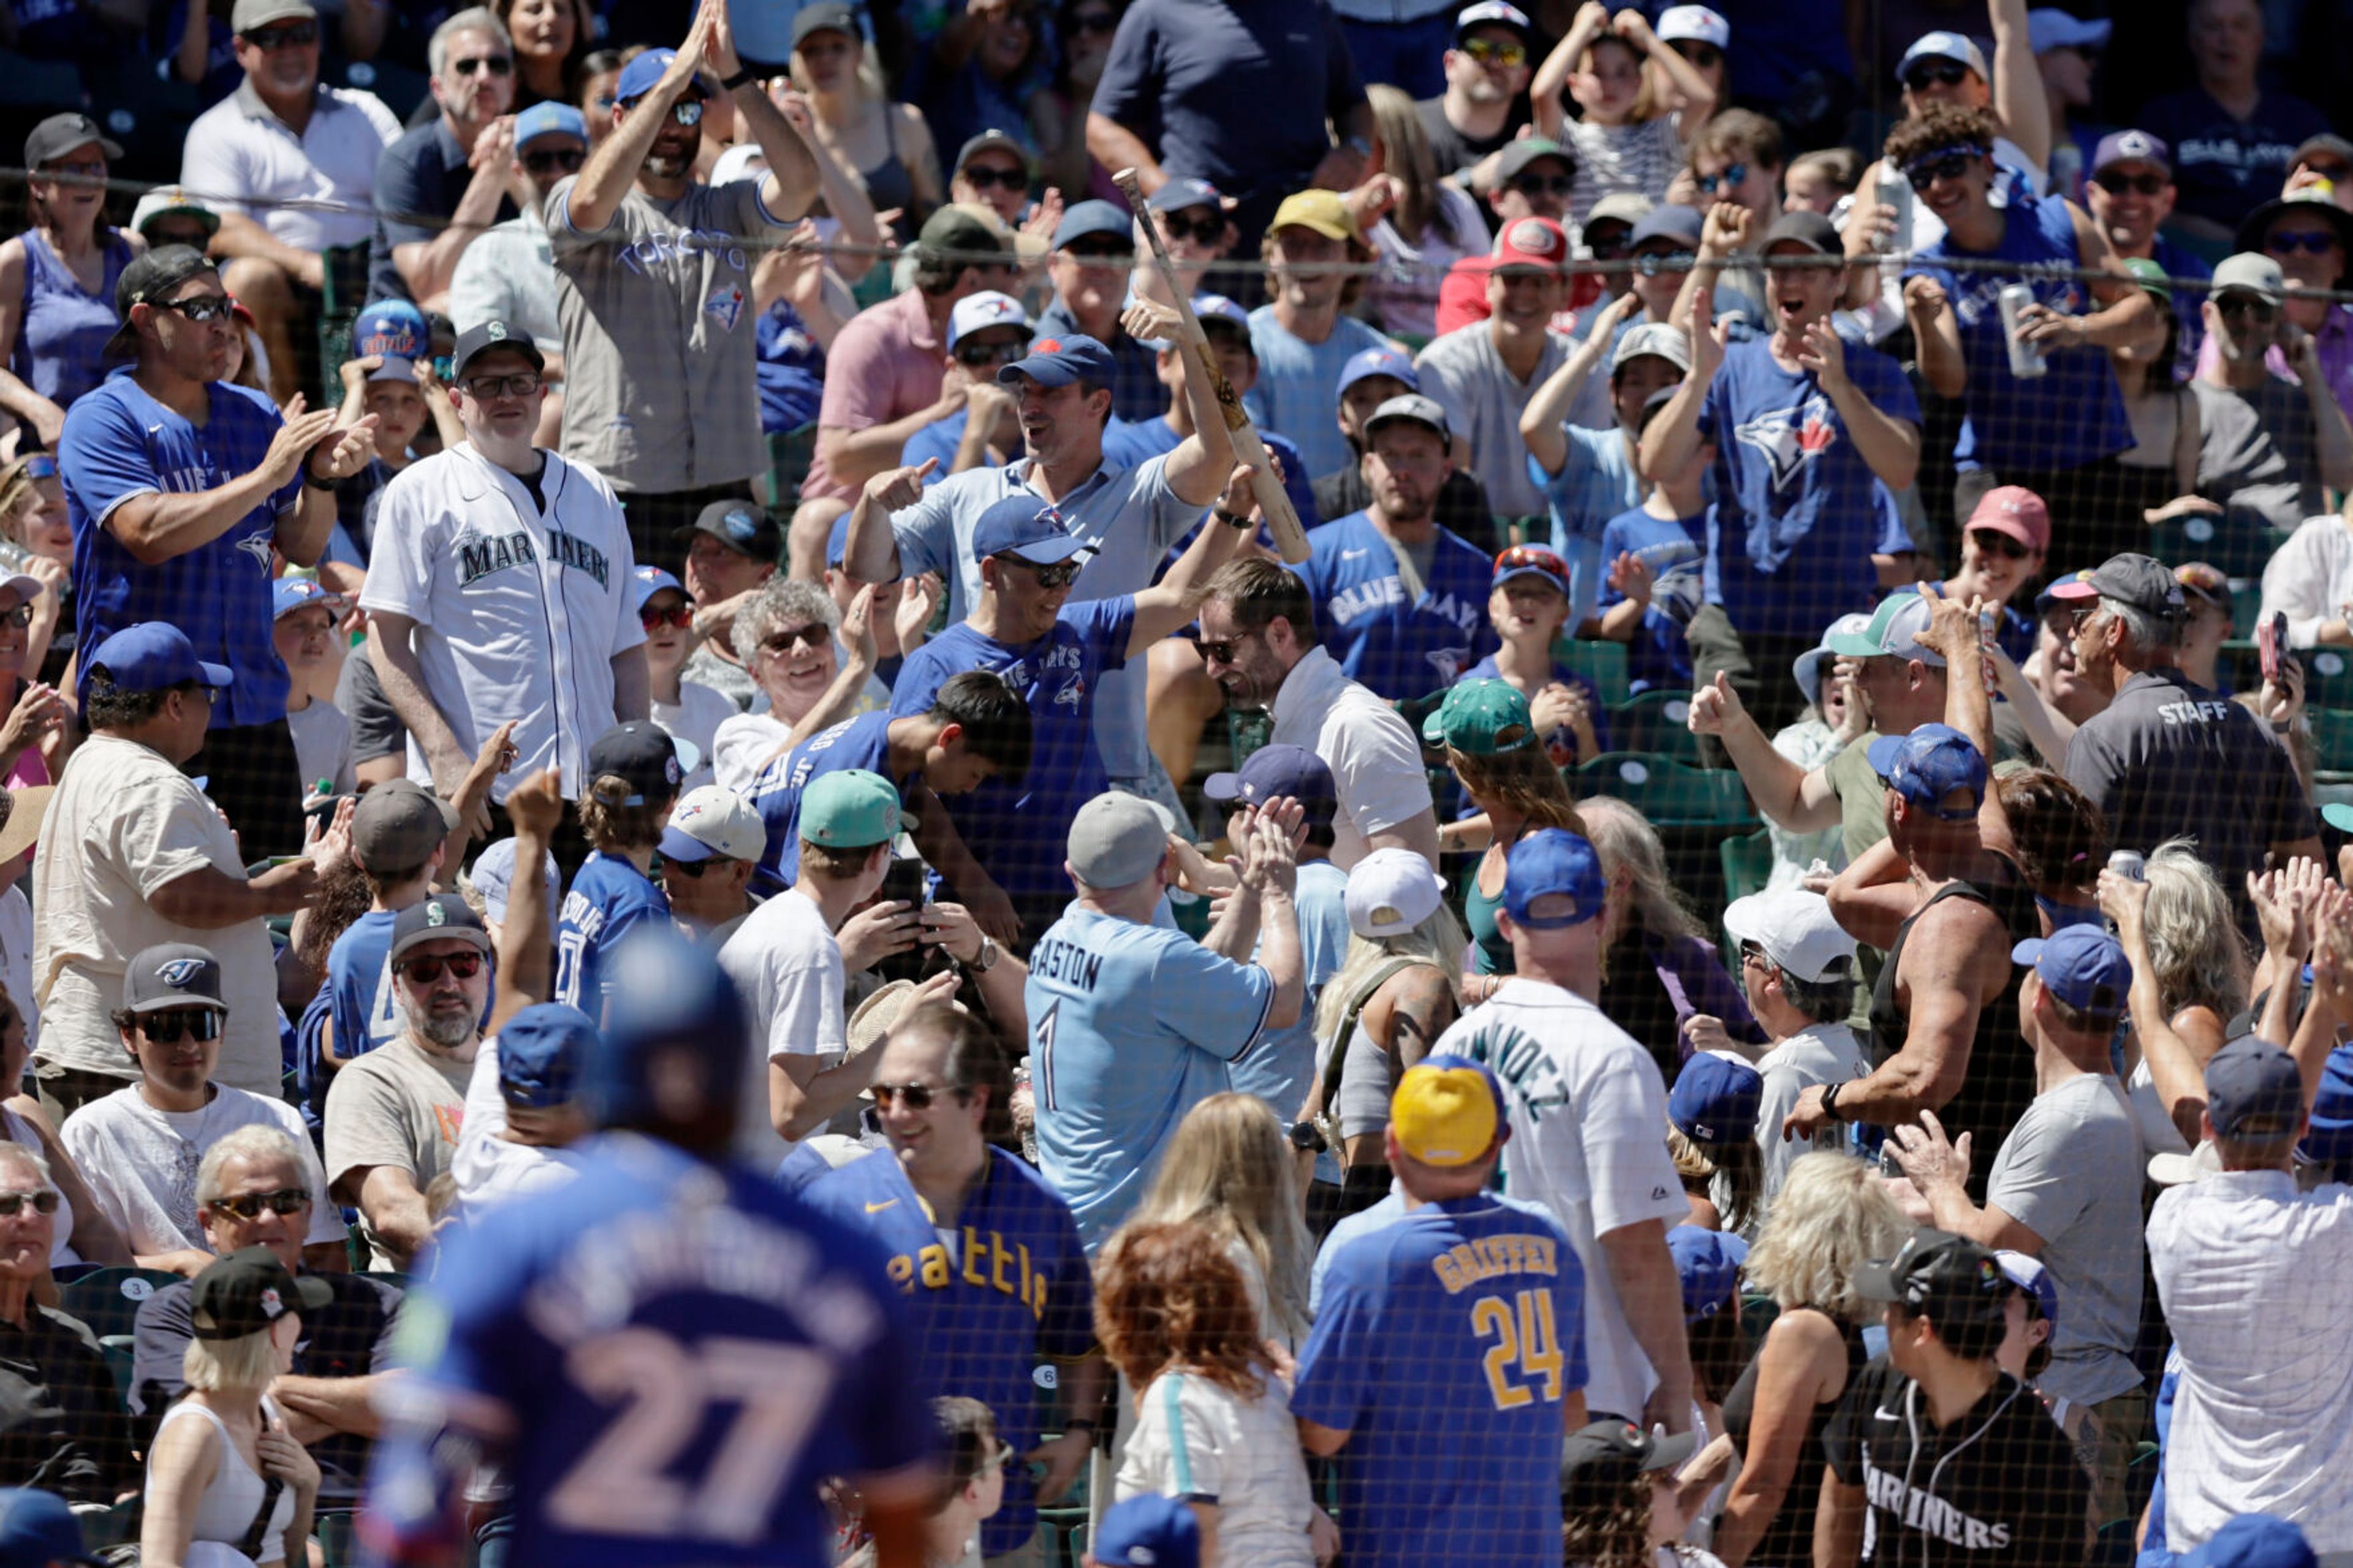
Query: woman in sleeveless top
[890,144]
[57,283]
[82,1233]
[223,1470]
[1831,1215]
[1490,743]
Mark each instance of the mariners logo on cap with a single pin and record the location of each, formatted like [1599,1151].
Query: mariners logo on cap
[495,331]
[435,915]
[180,971]
[1533,236]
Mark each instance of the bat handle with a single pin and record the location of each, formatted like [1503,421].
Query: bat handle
[1130,187]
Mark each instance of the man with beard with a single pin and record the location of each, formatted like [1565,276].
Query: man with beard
[393,1115]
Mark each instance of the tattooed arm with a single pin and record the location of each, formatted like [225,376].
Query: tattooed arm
[1420,1008]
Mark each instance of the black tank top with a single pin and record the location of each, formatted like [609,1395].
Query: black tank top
[1788,1540]
[1999,1081]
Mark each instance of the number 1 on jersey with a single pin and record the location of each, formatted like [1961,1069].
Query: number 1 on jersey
[1528,1337]
[1041,1058]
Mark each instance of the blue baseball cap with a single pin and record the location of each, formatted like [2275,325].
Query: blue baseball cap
[2254,1540]
[837,540]
[1279,771]
[1930,764]
[1715,1101]
[638,77]
[1148,1531]
[1218,307]
[396,330]
[154,656]
[1388,361]
[2328,1141]
[2031,1275]
[1025,527]
[288,594]
[2081,966]
[668,996]
[1553,863]
[1057,362]
[549,118]
[1095,216]
[2254,1092]
[540,1053]
[1176,195]
[1708,1263]
[647,581]
[37,1529]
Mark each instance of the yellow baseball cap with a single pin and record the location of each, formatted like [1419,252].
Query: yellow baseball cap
[1322,211]
[1446,1110]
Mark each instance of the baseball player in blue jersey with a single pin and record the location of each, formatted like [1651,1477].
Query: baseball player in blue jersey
[985,1249]
[1448,1359]
[670,1354]
[1131,1023]
[634,771]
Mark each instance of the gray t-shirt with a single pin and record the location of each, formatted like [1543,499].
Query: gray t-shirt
[1483,402]
[2071,1172]
[375,729]
[398,1106]
[323,746]
[2256,455]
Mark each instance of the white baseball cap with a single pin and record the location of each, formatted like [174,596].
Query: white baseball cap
[1797,931]
[744,161]
[713,822]
[1944,46]
[2180,1169]
[1390,892]
[1696,23]
[986,308]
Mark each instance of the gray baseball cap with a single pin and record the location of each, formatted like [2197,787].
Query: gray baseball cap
[172,975]
[247,15]
[395,826]
[1656,339]
[1116,839]
[1413,406]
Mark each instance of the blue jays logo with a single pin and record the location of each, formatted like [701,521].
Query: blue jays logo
[725,307]
[180,972]
[1789,437]
[257,546]
[1073,690]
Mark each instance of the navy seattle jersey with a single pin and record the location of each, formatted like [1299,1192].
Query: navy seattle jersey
[1444,1346]
[674,1353]
[609,898]
[861,742]
[1003,1294]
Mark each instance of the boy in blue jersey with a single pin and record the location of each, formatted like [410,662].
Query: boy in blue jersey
[1652,557]
[667,1355]
[1527,607]
[400,833]
[985,1250]
[1132,1024]
[976,729]
[984,330]
[1447,1359]
[634,771]
[1402,599]
[1022,630]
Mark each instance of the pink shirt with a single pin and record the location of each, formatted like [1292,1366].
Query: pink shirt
[886,364]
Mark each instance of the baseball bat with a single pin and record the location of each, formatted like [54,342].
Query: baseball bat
[1290,538]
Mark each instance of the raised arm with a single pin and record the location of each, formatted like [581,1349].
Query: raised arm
[792,183]
[2018,96]
[1173,600]
[1795,799]
[1938,335]
[1540,422]
[1592,20]
[536,808]
[1672,441]
[612,168]
[1890,446]
[1197,468]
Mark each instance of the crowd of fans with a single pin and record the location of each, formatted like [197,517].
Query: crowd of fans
[744,481]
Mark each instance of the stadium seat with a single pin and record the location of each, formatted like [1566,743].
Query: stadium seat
[1668,792]
[109,1299]
[335,1533]
[2332,742]
[121,1350]
[2238,550]
[789,455]
[1601,662]
[105,1528]
[2327,679]
[1655,721]
[1748,863]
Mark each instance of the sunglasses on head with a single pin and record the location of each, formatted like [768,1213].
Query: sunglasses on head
[2116,182]
[982,177]
[916,1095]
[1505,52]
[2311,242]
[1206,228]
[13,1204]
[1732,174]
[1061,574]
[1520,557]
[427,970]
[251,1206]
[975,356]
[1949,164]
[2246,305]
[785,639]
[1701,53]
[198,1024]
[2001,544]
[295,36]
[1941,73]
[681,617]
[497,65]
[559,160]
[1544,184]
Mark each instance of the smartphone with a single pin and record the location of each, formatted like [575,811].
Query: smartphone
[2271,645]
[903,882]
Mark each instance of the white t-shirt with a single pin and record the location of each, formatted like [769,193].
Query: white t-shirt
[695,719]
[1376,762]
[122,823]
[17,959]
[740,746]
[1198,1440]
[323,746]
[489,1170]
[1589,1141]
[1821,1053]
[787,966]
[140,1163]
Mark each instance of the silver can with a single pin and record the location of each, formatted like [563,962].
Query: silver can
[2025,359]
[2129,864]
[1894,191]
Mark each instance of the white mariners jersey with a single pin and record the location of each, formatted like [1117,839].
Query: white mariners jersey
[519,612]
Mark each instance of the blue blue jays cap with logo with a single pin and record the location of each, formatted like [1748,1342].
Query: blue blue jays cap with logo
[288,594]
[1026,527]
[1552,864]
[2328,1138]
[1148,1531]
[1054,361]
[2032,1275]
[1930,764]
[549,118]
[540,1050]
[1392,363]
[172,975]
[2082,966]
[444,917]
[643,755]
[2254,1540]
[638,77]
[1708,1264]
[395,330]
[672,1018]
[645,581]
[155,656]
[39,1529]
[486,336]
[1279,772]
[2254,1093]
[743,526]
[1715,1101]
[1176,195]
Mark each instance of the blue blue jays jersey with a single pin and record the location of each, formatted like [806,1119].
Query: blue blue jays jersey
[364,1007]
[1444,1345]
[1130,1028]
[674,1353]
[861,742]
[1004,1292]
[1401,649]
[608,900]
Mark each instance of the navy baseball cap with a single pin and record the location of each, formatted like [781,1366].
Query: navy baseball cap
[1928,764]
[651,761]
[482,337]
[1392,363]
[1279,771]
[155,656]
[2081,966]
[443,917]
[1176,195]
[1025,527]
[1148,1531]
[171,975]
[1715,1101]
[397,331]
[38,1529]
[1057,362]
[1553,863]
[2131,147]
[668,999]
[540,1053]
[2254,1540]
[549,118]
[2254,1092]
[1708,1264]
[647,580]
[2328,1138]
[1091,218]
[1946,1278]
[638,77]
[743,526]
[1672,221]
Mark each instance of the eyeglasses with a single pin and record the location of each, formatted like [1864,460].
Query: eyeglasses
[13,1204]
[1732,174]
[165,1028]
[916,1095]
[1925,172]
[199,308]
[976,356]
[681,617]
[1061,574]
[483,388]
[981,177]
[562,159]
[1941,73]
[2001,544]
[1651,263]
[2259,310]
[1752,954]
[2116,182]
[785,639]
[1544,184]
[2311,242]
[1208,228]
[250,1206]
[1704,55]
[427,970]
[1508,53]
[2079,616]
[296,36]
[21,617]
[497,65]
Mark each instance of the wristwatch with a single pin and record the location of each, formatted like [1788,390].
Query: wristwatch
[1232,520]
[1306,1137]
[741,77]
[1830,1098]
[313,480]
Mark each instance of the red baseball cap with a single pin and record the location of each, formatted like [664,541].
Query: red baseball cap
[2016,512]
[1532,242]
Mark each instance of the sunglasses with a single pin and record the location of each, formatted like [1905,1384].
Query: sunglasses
[1925,172]
[2001,544]
[561,160]
[497,65]
[1732,174]
[783,639]
[13,1204]
[483,388]
[427,970]
[1061,574]
[199,308]
[2311,242]
[687,112]
[695,869]
[981,177]
[681,617]
[1220,652]
[1544,184]
[916,1095]
[1508,53]
[199,1024]
[20,617]
[1705,55]
[1752,954]
[976,356]
[2236,305]
[251,1206]
[2079,616]
[299,36]
[1610,245]
[1651,263]
[1940,73]
[1206,228]
[2116,182]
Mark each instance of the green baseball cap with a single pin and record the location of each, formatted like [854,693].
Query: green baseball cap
[1481,717]
[2151,276]
[1895,628]
[852,809]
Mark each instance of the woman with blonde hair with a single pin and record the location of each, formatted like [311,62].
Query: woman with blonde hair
[1229,1169]
[1830,1216]
[2190,977]
[223,1472]
[1419,224]
[888,145]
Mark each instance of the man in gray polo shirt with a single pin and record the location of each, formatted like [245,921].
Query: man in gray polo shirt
[654,290]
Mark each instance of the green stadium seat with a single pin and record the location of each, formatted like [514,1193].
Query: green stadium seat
[1748,863]
[1601,662]
[790,452]
[335,1533]
[1670,793]
[1757,1311]
[2327,677]
[2239,549]
[121,1352]
[2332,742]
[2246,600]
[109,1299]
[1654,722]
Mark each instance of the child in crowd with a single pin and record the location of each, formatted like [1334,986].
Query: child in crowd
[1655,555]
[389,377]
[634,774]
[1619,1507]
[1527,607]
[1627,137]
[302,630]
[690,711]
[1818,182]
